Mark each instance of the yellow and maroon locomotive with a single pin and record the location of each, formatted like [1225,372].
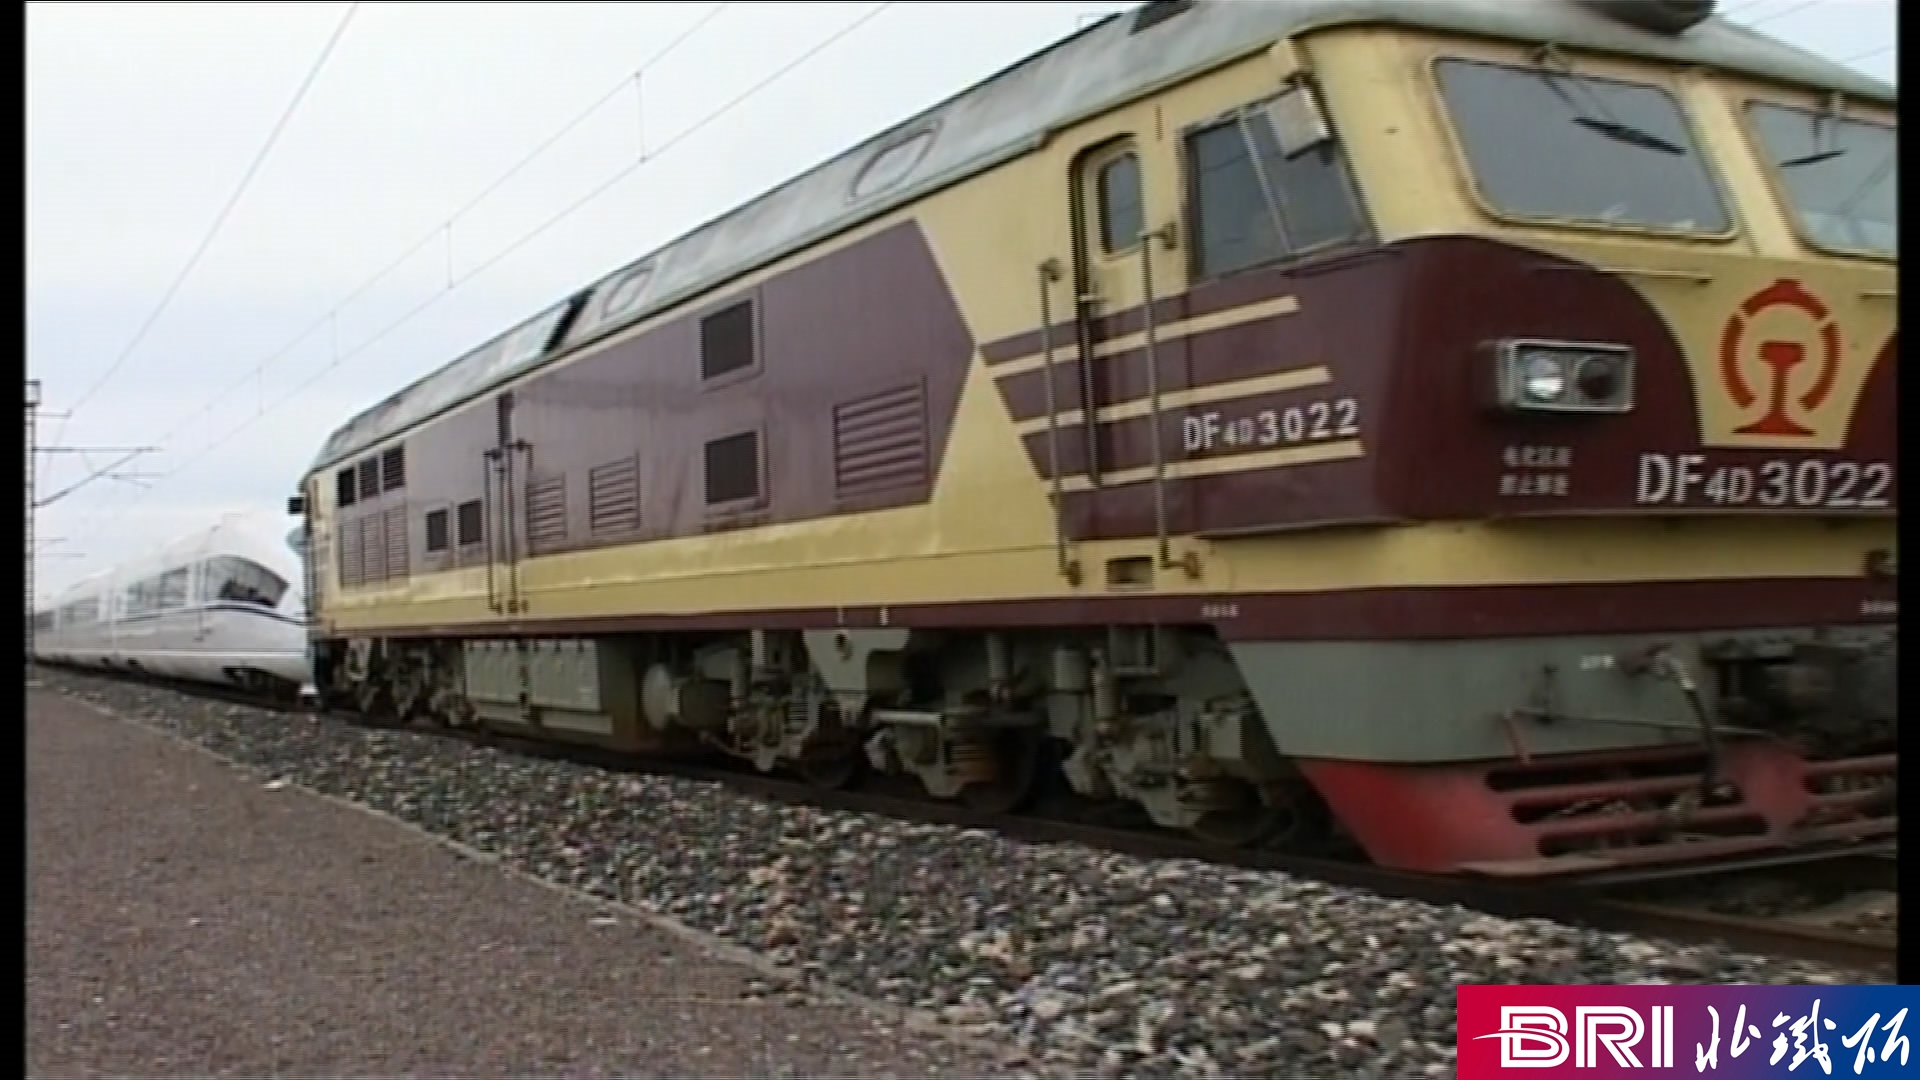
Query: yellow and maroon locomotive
[1465,426]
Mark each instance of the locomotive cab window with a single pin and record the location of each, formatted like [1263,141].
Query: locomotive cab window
[343,487]
[1269,183]
[1840,177]
[1546,144]
[1118,195]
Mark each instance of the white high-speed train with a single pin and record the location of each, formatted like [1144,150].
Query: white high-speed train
[222,605]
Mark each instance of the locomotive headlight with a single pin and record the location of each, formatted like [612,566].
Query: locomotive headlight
[1563,376]
[1543,378]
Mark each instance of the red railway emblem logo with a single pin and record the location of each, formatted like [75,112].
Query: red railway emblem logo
[1780,357]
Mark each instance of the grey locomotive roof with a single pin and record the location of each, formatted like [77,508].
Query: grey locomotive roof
[1010,114]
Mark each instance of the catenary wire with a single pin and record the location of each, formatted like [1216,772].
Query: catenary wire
[444,228]
[520,242]
[233,201]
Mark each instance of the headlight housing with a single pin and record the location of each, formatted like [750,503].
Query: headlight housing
[1533,375]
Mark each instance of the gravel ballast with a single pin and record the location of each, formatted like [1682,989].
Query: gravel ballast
[1090,962]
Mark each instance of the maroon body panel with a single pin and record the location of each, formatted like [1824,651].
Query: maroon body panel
[872,322]
[1407,332]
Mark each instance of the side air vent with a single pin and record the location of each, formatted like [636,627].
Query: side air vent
[1157,12]
[547,514]
[613,496]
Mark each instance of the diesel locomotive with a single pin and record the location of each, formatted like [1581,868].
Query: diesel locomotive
[1459,429]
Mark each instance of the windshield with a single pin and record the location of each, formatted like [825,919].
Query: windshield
[1550,144]
[1839,177]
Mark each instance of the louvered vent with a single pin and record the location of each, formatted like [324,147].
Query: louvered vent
[547,514]
[396,529]
[880,442]
[352,560]
[369,478]
[393,469]
[613,496]
[373,547]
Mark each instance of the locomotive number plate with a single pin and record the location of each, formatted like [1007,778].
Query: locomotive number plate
[1309,422]
[1805,483]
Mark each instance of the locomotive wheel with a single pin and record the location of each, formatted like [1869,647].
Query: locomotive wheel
[831,769]
[1280,815]
[1237,828]
[1240,817]
[374,704]
[834,757]
[1016,753]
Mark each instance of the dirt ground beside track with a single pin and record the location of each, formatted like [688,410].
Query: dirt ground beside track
[185,920]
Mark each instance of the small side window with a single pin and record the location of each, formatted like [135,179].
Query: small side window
[1255,200]
[343,487]
[436,530]
[468,522]
[733,468]
[1122,210]
[727,341]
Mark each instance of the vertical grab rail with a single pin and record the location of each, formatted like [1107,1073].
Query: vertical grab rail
[1050,273]
[487,468]
[515,603]
[1150,342]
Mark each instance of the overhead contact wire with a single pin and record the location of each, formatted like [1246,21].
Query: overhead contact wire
[566,212]
[442,229]
[226,211]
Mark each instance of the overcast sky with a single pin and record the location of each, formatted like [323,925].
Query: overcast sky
[143,117]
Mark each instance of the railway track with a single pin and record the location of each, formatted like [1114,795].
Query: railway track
[1840,931]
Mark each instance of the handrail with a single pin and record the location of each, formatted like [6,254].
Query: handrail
[1150,345]
[488,466]
[1050,273]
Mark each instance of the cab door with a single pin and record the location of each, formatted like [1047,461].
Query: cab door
[1124,268]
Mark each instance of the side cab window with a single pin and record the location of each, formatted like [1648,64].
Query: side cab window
[1268,183]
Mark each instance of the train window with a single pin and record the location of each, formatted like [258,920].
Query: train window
[142,598]
[369,484]
[727,341]
[436,530]
[1254,202]
[1839,176]
[174,591]
[393,469]
[81,612]
[1122,211]
[1549,145]
[468,522]
[733,468]
[343,487]
[227,579]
